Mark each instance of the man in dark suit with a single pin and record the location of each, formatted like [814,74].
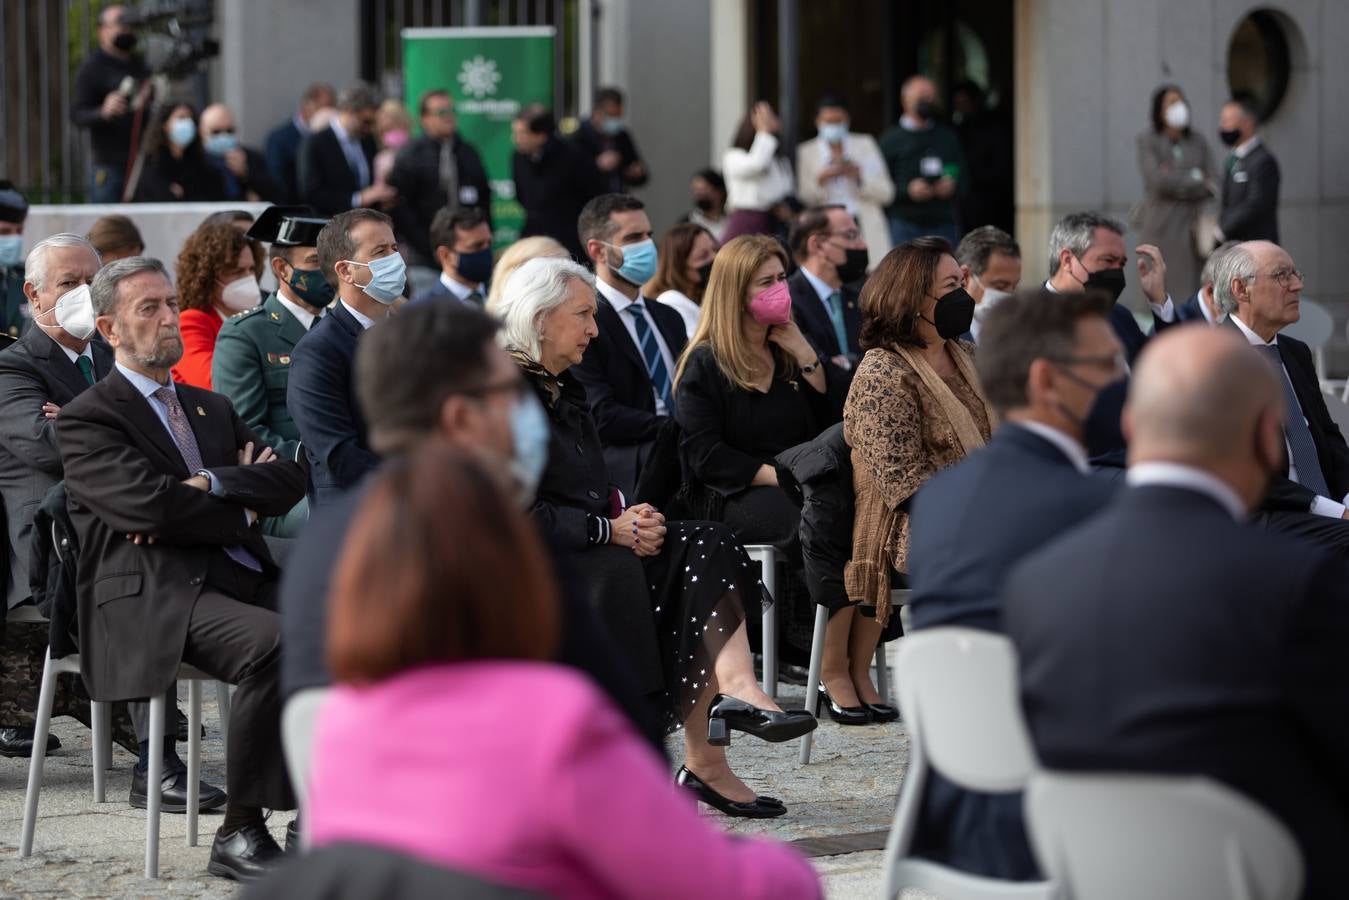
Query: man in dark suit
[337,164]
[628,371]
[320,395]
[461,241]
[990,261]
[243,170]
[438,170]
[1041,360]
[1250,198]
[554,179]
[1203,305]
[1166,635]
[605,136]
[283,141]
[832,255]
[164,485]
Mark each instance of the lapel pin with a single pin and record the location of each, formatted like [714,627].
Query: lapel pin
[200,411]
[285,359]
[276,317]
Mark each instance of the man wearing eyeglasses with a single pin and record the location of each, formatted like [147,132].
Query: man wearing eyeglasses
[832,254]
[1259,287]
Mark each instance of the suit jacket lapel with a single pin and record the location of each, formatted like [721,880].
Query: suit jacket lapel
[288,327]
[671,327]
[138,412]
[45,350]
[811,308]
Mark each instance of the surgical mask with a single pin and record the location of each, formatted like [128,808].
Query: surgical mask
[395,138]
[240,294]
[529,439]
[639,261]
[1110,281]
[704,203]
[772,306]
[855,265]
[74,313]
[953,314]
[221,143]
[1229,136]
[388,277]
[1177,115]
[11,250]
[612,127]
[991,298]
[311,287]
[833,132]
[1101,431]
[475,266]
[182,131]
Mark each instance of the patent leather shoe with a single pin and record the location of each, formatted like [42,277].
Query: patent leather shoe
[17,741]
[843,715]
[881,712]
[245,855]
[758,808]
[173,792]
[728,712]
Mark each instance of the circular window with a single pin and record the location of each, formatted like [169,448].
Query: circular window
[1259,61]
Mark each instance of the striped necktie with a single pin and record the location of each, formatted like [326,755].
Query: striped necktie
[1305,458]
[655,363]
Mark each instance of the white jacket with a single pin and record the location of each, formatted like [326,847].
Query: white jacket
[756,178]
[866,201]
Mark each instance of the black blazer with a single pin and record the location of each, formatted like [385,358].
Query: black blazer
[1191,310]
[198,178]
[416,175]
[593,142]
[810,315]
[1250,199]
[123,475]
[553,189]
[321,398]
[326,178]
[1162,636]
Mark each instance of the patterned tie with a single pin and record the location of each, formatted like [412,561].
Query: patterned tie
[655,363]
[181,430]
[836,317]
[1231,162]
[1295,429]
[86,367]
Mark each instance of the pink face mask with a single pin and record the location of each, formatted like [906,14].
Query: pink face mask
[772,306]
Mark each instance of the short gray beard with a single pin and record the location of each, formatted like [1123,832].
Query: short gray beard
[164,360]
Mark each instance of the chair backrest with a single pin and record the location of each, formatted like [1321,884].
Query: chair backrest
[1113,836]
[1314,328]
[1339,411]
[958,693]
[298,721]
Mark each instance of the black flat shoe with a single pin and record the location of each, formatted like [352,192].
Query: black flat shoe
[17,741]
[843,715]
[728,712]
[246,855]
[882,712]
[173,794]
[758,808]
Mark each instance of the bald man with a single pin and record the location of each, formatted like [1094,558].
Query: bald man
[243,169]
[1168,636]
[927,166]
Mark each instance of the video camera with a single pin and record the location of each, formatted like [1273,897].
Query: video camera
[174,35]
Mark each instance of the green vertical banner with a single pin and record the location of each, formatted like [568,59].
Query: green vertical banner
[492,73]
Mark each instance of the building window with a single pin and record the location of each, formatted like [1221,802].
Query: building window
[1259,61]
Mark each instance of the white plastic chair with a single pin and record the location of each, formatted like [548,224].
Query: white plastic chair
[1112,837]
[298,721]
[768,557]
[958,696]
[1314,327]
[900,599]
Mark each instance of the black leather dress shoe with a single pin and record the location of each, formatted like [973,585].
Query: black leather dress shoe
[246,855]
[843,715]
[881,712]
[728,712]
[18,741]
[758,808]
[173,795]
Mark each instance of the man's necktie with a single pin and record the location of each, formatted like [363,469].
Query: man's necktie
[1231,162]
[86,367]
[655,363]
[181,430]
[449,174]
[836,317]
[1295,429]
[474,298]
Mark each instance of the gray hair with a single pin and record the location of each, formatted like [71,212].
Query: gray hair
[35,267]
[1237,263]
[103,292]
[978,245]
[357,96]
[535,289]
[1211,264]
[1075,232]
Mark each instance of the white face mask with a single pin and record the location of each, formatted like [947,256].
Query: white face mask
[991,298]
[240,294]
[74,313]
[1177,115]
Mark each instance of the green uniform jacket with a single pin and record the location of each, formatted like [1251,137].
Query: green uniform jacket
[14,318]
[251,367]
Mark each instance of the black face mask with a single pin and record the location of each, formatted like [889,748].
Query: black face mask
[126,42]
[855,266]
[926,110]
[953,314]
[1101,431]
[1109,281]
[704,273]
[703,203]
[1229,138]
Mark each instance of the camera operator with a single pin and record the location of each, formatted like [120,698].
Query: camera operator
[103,106]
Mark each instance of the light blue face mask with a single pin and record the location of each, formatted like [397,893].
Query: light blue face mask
[182,131]
[639,261]
[529,437]
[221,143]
[834,132]
[612,126]
[388,276]
[11,250]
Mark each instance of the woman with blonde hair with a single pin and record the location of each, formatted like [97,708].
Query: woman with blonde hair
[516,255]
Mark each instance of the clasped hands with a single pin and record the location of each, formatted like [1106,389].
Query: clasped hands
[202,483]
[640,528]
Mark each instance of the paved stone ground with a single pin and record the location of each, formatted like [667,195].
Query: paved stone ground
[83,849]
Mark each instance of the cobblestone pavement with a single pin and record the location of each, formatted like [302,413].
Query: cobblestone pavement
[83,849]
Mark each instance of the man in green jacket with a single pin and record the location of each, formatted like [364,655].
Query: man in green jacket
[14,314]
[927,167]
[251,365]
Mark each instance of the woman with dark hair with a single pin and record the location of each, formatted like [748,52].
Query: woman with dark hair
[709,202]
[175,166]
[914,408]
[1177,186]
[215,279]
[444,614]
[759,177]
[685,262]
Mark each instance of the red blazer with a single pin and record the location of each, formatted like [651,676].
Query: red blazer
[199,329]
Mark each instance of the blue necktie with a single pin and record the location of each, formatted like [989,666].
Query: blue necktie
[655,363]
[836,318]
[1295,429]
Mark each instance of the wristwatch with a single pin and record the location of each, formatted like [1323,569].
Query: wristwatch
[806,370]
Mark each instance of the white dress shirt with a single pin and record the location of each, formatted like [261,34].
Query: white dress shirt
[361,318]
[1321,506]
[1242,150]
[355,154]
[824,291]
[72,355]
[1065,445]
[1164,311]
[1189,478]
[756,178]
[462,291]
[689,311]
[302,315]
[620,304]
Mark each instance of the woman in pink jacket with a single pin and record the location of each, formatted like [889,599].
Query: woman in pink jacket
[442,613]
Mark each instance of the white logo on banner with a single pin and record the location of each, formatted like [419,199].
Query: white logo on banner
[479,76]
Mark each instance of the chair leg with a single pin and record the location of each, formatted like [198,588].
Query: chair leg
[154,777]
[882,673]
[222,702]
[769,565]
[813,675]
[100,715]
[46,697]
[193,758]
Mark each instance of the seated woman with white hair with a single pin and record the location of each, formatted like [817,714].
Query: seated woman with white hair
[673,594]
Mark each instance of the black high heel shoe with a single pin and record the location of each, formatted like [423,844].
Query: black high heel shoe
[843,715]
[881,712]
[758,808]
[728,712]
